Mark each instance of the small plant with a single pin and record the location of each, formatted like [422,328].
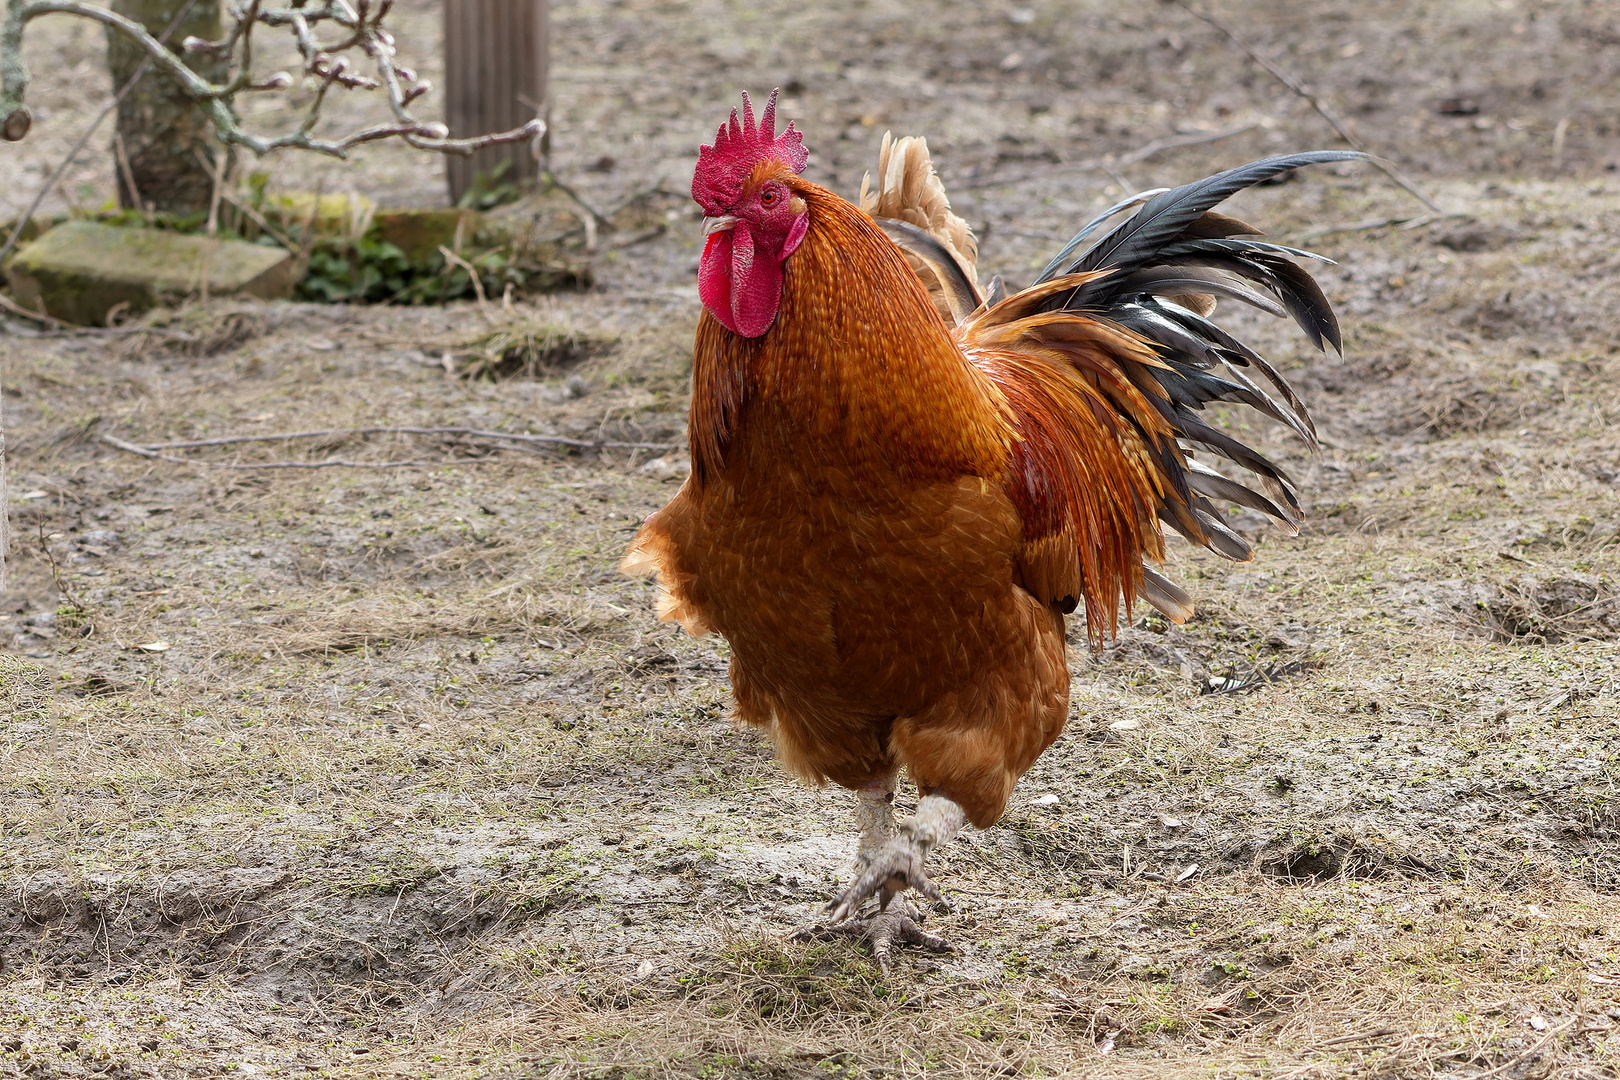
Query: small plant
[72,616]
[491,189]
[526,349]
[364,269]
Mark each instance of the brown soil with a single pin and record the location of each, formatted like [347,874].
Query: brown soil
[386,772]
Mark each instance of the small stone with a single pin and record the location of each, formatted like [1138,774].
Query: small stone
[1044,800]
[664,468]
[1128,724]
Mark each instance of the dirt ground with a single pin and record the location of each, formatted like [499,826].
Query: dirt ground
[384,771]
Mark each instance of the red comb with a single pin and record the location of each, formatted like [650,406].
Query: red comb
[738,147]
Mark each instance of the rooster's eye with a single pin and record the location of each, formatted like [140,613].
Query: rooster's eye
[767,198]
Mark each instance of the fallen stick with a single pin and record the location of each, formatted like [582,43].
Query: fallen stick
[558,440]
[155,451]
[329,463]
[1527,1055]
[1107,164]
[1404,224]
[67,329]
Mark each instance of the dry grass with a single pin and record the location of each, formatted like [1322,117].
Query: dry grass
[445,800]
[418,787]
[1258,979]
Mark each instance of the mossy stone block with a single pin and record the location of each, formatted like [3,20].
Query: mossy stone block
[420,233]
[32,230]
[334,215]
[82,270]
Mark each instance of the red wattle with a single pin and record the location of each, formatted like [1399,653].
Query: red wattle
[714,277]
[739,289]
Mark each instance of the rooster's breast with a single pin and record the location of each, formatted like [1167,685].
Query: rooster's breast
[844,596]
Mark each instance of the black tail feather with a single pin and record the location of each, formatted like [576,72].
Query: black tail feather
[1164,217]
[1176,245]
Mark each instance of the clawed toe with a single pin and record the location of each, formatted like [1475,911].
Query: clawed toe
[896,925]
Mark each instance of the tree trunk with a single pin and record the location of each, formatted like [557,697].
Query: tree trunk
[495,58]
[164,143]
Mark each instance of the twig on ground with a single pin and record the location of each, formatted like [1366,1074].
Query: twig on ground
[124,169]
[261,221]
[156,450]
[477,433]
[306,233]
[1281,76]
[1534,1049]
[217,167]
[1108,164]
[596,216]
[1175,142]
[1365,1036]
[61,328]
[1126,188]
[1404,224]
[329,463]
[453,259]
[1315,102]
[62,587]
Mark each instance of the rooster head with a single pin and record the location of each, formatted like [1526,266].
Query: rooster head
[753,217]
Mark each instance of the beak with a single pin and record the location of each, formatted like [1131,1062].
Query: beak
[723,223]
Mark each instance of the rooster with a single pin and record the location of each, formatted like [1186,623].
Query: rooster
[902,484]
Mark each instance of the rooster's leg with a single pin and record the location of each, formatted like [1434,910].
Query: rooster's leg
[898,863]
[874,817]
[889,861]
[893,923]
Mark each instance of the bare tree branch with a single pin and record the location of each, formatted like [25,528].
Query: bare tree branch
[123,91]
[360,27]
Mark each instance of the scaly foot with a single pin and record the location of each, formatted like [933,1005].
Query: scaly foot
[895,924]
[898,864]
